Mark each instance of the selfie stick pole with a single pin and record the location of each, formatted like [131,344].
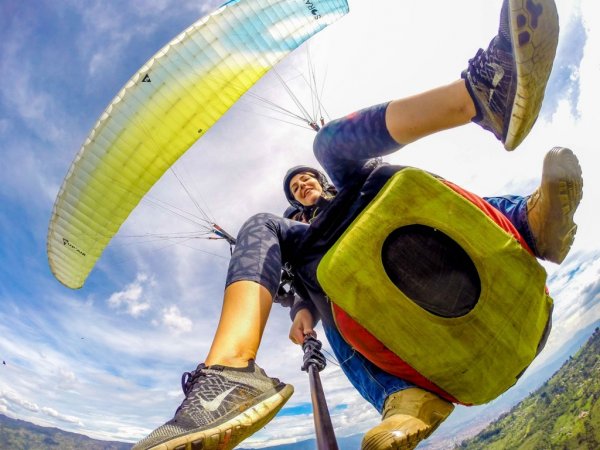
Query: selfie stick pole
[314,362]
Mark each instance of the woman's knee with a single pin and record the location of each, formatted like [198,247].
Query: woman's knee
[325,140]
[260,220]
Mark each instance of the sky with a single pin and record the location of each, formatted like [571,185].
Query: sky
[106,360]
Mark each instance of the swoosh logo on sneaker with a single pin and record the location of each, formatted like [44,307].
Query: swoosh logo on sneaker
[214,404]
[498,73]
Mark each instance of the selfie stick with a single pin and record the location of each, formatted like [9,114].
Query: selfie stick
[314,362]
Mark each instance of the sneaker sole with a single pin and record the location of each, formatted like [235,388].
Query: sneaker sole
[562,180]
[534,34]
[229,434]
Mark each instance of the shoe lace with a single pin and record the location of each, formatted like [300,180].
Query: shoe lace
[189,379]
[479,67]
[482,65]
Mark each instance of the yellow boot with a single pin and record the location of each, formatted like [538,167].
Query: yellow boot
[551,207]
[409,416]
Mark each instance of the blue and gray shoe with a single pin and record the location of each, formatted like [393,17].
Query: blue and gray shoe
[508,80]
[222,407]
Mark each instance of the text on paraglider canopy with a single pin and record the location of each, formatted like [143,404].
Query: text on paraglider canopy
[68,244]
[313,9]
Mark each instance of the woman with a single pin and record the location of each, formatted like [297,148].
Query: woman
[229,397]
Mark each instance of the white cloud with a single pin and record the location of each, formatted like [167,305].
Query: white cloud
[175,321]
[63,418]
[14,399]
[66,378]
[67,375]
[131,299]
[8,398]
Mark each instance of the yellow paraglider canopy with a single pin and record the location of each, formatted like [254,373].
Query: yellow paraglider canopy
[162,110]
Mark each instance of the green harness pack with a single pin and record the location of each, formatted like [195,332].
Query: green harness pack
[474,357]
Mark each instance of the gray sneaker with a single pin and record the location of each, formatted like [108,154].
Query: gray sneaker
[222,407]
[508,80]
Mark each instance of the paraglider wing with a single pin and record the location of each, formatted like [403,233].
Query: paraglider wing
[162,110]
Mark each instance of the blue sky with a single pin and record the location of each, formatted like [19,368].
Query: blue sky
[106,360]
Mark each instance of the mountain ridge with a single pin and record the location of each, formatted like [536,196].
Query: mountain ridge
[18,434]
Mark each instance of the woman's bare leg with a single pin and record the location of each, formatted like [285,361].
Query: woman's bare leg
[439,109]
[246,307]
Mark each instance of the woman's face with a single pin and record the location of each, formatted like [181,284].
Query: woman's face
[305,188]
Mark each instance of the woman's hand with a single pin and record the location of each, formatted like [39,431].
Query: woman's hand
[301,326]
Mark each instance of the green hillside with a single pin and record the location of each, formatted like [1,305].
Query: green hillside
[563,414]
